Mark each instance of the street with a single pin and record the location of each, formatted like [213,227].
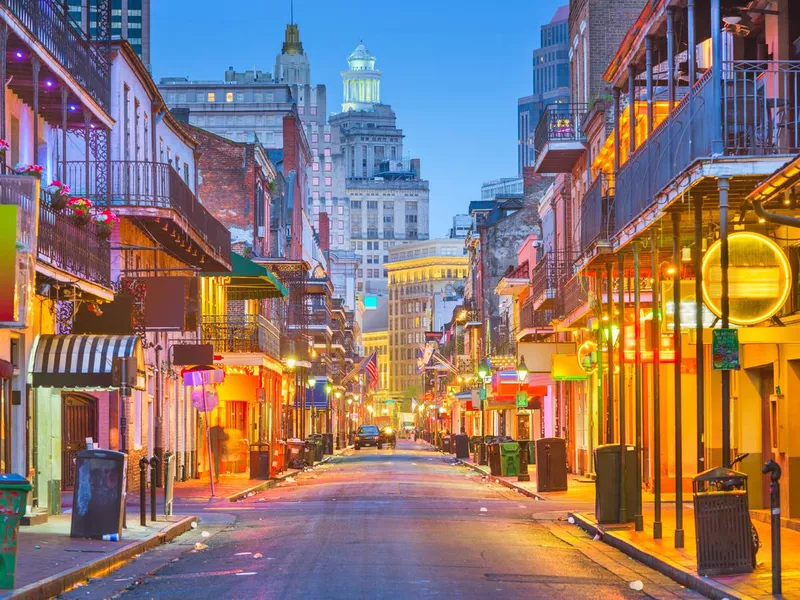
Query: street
[377,524]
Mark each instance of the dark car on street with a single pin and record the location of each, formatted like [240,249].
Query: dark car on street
[388,437]
[367,435]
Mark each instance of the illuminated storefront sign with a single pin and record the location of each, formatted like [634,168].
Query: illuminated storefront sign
[759,278]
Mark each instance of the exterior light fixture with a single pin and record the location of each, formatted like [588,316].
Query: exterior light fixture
[671,270]
[329,388]
[731,19]
[291,362]
[339,395]
[312,381]
[522,370]
[686,254]
[761,220]
[483,370]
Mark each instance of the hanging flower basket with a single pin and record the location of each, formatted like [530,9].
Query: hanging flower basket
[4,145]
[30,170]
[81,210]
[59,194]
[105,221]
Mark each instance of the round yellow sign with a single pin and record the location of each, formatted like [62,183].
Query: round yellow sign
[759,278]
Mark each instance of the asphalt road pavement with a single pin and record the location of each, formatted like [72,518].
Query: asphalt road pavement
[399,523]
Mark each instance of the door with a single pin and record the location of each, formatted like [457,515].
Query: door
[78,422]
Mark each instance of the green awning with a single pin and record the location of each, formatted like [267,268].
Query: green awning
[250,281]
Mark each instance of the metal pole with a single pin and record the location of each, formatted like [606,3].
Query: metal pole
[208,441]
[623,504]
[637,330]
[632,108]
[36,67]
[648,48]
[656,341]
[676,303]
[616,93]
[671,60]
[774,471]
[143,463]
[158,446]
[700,348]
[716,78]
[723,185]
[610,352]
[598,284]
[692,43]
[153,485]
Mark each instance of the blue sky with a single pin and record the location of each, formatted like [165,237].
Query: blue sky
[452,69]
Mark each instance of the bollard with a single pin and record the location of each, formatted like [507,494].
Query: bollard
[774,471]
[143,463]
[482,458]
[523,461]
[153,485]
[169,482]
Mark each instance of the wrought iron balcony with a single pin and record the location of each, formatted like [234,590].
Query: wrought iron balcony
[75,250]
[548,274]
[531,318]
[252,334]
[559,139]
[49,23]
[574,295]
[597,211]
[151,192]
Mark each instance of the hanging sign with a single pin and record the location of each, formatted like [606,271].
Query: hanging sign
[725,349]
[482,394]
[204,400]
[522,400]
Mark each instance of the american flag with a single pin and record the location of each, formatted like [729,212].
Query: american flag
[371,367]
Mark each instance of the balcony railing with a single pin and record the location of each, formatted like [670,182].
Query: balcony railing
[68,247]
[532,318]
[548,274]
[147,185]
[560,131]
[574,294]
[597,214]
[760,117]
[49,23]
[241,333]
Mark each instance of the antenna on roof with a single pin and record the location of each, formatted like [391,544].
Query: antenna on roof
[291,12]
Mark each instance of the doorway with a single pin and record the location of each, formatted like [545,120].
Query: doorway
[78,422]
[767,416]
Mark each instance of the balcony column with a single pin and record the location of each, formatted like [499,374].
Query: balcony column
[671,60]
[64,109]
[598,287]
[676,303]
[154,141]
[691,41]
[616,92]
[632,110]
[623,504]
[656,343]
[637,330]
[3,78]
[36,68]
[87,131]
[648,48]
[698,307]
[724,185]
[610,352]
[716,83]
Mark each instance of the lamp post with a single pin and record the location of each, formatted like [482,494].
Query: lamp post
[291,362]
[483,371]
[349,420]
[329,407]
[522,377]
[312,385]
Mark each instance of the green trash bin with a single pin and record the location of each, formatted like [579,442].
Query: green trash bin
[532,452]
[509,458]
[13,498]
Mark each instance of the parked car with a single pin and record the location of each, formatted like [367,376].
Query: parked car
[388,436]
[367,435]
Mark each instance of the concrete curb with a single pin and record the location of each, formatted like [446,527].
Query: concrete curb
[689,579]
[61,582]
[503,482]
[270,483]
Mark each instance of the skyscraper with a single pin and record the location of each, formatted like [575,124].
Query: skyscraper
[388,197]
[550,83]
[130,20]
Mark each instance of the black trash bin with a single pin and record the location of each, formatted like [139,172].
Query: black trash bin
[259,460]
[310,452]
[494,458]
[551,464]
[98,499]
[607,489]
[446,444]
[461,447]
[327,445]
[319,439]
[722,523]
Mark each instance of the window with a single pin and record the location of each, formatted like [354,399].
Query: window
[314,138]
[301,110]
[340,239]
[339,224]
[315,167]
[326,137]
[372,204]
[355,204]
[315,195]
[327,152]
[340,210]
[328,167]
[328,181]
[328,195]
[240,97]
[315,181]
[313,110]
[211,97]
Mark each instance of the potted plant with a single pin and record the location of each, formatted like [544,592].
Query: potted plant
[59,193]
[81,210]
[31,170]
[105,220]
[4,145]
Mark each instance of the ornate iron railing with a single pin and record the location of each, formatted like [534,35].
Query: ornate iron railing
[51,25]
[548,274]
[151,185]
[560,122]
[241,333]
[532,318]
[573,294]
[597,214]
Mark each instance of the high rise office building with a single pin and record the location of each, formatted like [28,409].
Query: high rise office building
[130,20]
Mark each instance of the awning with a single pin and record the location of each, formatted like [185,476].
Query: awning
[82,361]
[250,281]
[506,383]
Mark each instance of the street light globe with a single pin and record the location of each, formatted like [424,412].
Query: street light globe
[338,395]
[291,362]
[349,400]
[483,370]
[522,370]
[312,382]
[328,388]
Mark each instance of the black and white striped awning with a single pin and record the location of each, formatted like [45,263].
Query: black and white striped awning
[81,361]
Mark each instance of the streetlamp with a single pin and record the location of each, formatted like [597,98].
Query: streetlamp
[483,371]
[522,377]
[291,362]
[312,384]
[329,418]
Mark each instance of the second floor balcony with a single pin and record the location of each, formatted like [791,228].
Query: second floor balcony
[559,138]
[548,274]
[160,201]
[597,212]
[249,334]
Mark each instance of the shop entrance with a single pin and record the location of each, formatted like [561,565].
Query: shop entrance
[78,422]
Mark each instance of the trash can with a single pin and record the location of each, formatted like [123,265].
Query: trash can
[14,496]
[320,449]
[98,499]
[551,464]
[278,458]
[259,460]
[722,523]
[327,446]
[532,452]
[295,453]
[446,444]
[474,443]
[461,446]
[606,461]
[509,458]
[494,458]
[310,453]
